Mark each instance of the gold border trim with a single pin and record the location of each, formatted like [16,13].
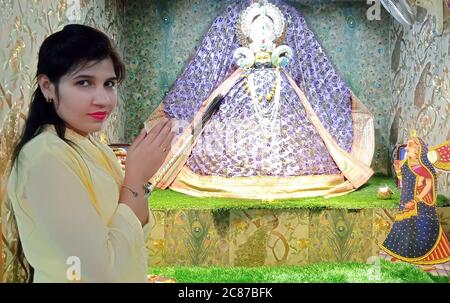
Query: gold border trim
[258,187]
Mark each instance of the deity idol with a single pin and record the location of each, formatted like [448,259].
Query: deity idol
[263,113]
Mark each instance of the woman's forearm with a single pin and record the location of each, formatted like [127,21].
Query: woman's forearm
[137,203]
[425,191]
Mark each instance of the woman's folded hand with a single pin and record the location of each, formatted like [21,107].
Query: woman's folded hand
[148,151]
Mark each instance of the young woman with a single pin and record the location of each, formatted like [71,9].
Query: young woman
[78,216]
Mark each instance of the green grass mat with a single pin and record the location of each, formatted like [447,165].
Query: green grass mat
[364,197]
[317,273]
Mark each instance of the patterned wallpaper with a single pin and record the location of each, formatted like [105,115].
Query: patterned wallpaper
[420,77]
[267,237]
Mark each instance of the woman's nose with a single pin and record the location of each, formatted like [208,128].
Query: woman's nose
[101,97]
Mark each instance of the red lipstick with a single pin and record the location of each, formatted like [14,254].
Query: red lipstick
[99,115]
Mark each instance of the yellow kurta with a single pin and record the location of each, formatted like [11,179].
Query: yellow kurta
[66,204]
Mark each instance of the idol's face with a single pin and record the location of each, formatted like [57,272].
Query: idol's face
[85,98]
[263,32]
[412,150]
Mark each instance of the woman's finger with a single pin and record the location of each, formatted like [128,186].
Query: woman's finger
[138,139]
[156,130]
[167,141]
[163,134]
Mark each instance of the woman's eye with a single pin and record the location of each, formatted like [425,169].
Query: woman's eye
[110,84]
[83,83]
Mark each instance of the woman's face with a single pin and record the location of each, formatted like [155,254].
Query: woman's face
[87,97]
[412,149]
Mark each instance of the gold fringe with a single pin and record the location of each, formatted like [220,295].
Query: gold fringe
[257,187]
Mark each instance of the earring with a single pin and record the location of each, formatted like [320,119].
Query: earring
[49,100]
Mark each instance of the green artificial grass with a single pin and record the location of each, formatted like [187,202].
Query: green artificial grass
[316,273]
[364,197]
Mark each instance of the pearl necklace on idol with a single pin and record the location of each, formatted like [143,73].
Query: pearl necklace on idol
[266,114]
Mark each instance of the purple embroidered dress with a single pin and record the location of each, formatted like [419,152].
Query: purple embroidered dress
[235,142]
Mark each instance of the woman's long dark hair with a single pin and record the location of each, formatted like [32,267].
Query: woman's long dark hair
[61,53]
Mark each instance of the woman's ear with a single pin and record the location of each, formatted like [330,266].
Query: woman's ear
[46,86]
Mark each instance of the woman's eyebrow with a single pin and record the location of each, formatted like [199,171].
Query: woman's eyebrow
[84,76]
[112,79]
[92,77]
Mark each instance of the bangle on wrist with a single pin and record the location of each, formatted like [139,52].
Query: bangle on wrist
[147,190]
[135,193]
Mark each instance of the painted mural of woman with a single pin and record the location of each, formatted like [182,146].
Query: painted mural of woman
[417,236]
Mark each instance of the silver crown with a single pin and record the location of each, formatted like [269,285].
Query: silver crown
[262,8]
